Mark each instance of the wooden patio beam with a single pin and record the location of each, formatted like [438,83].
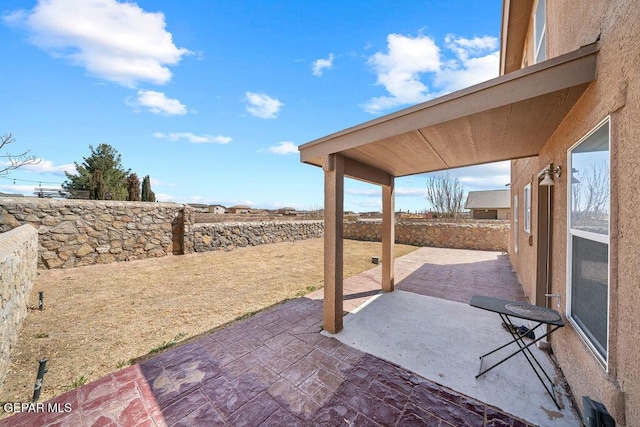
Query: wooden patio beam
[363,172]
[388,236]
[333,166]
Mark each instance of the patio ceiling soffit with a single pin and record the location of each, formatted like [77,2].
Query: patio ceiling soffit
[509,117]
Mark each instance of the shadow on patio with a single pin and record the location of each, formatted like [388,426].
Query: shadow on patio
[402,359]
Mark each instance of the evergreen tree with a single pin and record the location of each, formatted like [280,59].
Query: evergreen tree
[106,159]
[147,194]
[133,188]
[98,190]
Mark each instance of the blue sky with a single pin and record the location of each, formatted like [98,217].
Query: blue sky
[212,98]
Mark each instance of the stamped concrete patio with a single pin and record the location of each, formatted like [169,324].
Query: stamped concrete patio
[277,368]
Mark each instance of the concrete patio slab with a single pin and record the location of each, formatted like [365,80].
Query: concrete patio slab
[441,341]
[277,369]
[273,369]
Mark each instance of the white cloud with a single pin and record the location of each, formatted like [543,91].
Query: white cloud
[367,204]
[489,176]
[193,138]
[362,192]
[115,41]
[162,197]
[399,192]
[487,182]
[285,147]
[411,192]
[157,103]
[263,106]
[401,68]
[319,65]
[476,61]
[495,168]
[18,189]
[46,166]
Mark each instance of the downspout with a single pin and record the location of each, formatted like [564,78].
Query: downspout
[548,294]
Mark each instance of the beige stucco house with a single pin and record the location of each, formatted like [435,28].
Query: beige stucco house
[492,204]
[566,111]
[217,209]
[239,209]
[582,229]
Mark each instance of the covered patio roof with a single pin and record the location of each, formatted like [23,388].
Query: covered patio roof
[509,117]
[505,118]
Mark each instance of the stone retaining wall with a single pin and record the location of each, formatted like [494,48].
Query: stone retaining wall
[18,264]
[485,235]
[213,236]
[74,233]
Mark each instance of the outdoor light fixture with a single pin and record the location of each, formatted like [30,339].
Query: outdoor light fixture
[547,181]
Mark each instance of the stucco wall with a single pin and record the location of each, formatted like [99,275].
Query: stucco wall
[523,172]
[615,93]
[214,236]
[74,233]
[18,261]
[481,235]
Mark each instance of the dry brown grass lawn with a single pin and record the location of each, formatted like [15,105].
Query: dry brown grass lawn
[98,318]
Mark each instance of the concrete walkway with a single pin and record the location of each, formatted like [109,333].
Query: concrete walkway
[276,368]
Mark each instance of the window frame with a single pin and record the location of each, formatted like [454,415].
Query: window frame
[596,237]
[515,222]
[527,209]
[540,40]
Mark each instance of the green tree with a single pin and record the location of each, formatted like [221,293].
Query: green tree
[133,188]
[106,159]
[147,194]
[98,189]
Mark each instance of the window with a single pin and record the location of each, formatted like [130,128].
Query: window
[515,222]
[588,239]
[540,31]
[527,208]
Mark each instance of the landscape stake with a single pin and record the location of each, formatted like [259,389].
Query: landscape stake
[42,369]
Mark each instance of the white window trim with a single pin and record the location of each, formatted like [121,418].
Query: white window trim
[515,222]
[527,208]
[604,361]
[538,39]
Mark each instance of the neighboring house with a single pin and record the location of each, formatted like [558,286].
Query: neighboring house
[494,204]
[287,211]
[566,108]
[217,209]
[199,207]
[239,209]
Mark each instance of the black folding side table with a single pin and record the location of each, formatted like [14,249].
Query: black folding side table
[508,309]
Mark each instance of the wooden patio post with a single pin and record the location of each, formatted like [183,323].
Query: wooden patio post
[333,166]
[388,236]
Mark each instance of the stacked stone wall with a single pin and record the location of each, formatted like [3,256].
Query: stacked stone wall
[479,235]
[74,233]
[214,236]
[18,264]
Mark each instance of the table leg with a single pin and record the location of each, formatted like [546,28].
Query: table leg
[524,349]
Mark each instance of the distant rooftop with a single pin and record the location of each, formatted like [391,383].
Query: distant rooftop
[493,199]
